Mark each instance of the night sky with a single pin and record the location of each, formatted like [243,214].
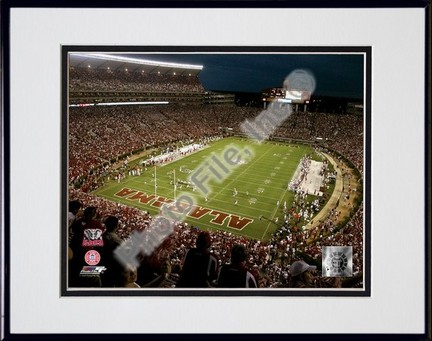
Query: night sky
[338,75]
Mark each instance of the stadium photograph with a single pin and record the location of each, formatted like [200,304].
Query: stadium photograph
[215,171]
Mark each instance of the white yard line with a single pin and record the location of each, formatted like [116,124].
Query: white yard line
[251,164]
[274,212]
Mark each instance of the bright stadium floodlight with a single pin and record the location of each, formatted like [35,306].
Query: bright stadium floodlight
[115,58]
[82,105]
[115,103]
[131,103]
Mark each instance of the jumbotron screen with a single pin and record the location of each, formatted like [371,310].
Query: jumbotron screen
[297,96]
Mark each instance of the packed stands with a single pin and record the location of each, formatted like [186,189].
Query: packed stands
[99,135]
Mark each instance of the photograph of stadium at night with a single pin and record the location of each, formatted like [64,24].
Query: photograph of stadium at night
[215,172]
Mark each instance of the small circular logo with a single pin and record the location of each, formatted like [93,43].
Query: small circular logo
[92,257]
[337,262]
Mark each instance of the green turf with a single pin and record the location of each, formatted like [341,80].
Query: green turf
[264,178]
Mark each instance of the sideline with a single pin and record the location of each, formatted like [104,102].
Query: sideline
[335,197]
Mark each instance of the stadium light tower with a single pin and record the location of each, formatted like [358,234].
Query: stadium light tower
[122,59]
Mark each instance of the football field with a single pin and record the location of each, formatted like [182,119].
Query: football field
[250,190]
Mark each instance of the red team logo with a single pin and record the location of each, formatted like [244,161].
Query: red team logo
[92,257]
[92,237]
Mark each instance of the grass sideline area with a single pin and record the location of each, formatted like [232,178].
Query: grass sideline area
[260,183]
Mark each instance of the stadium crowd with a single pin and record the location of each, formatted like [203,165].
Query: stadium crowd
[343,133]
[269,262]
[98,135]
[89,79]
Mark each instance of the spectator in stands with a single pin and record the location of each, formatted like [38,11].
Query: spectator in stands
[165,278]
[87,232]
[302,275]
[169,279]
[129,277]
[74,207]
[112,275]
[199,266]
[235,274]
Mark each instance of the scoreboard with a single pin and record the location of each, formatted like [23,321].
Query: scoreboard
[297,96]
[283,95]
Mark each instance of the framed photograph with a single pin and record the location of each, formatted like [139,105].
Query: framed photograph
[251,158]
[288,196]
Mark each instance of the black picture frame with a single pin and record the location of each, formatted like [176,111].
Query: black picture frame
[7,190]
